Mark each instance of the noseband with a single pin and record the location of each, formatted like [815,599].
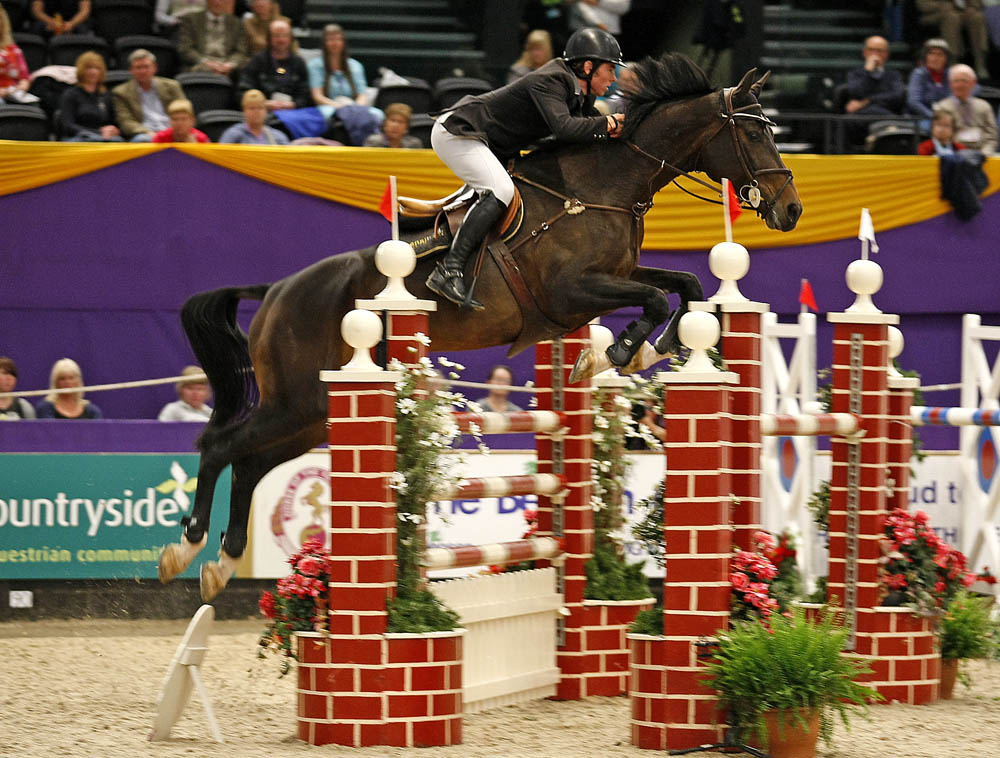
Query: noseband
[749,193]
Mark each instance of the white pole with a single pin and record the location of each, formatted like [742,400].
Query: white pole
[395,209]
[725,210]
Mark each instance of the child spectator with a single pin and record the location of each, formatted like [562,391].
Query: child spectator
[395,129]
[181,128]
[942,141]
[14,80]
[253,130]
[66,405]
[12,408]
[192,394]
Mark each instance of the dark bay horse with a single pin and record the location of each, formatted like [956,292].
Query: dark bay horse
[270,405]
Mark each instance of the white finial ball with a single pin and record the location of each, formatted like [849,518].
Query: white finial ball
[896,342]
[864,277]
[729,261]
[361,329]
[395,258]
[699,330]
[600,338]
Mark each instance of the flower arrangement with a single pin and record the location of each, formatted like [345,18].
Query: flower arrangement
[919,569]
[751,574]
[787,585]
[299,604]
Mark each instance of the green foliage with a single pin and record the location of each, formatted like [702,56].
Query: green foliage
[819,594]
[420,611]
[819,506]
[965,629]
[797,663]
[649,621]
[649,531]
[610,577]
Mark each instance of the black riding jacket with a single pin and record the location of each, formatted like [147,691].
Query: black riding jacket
[542,103]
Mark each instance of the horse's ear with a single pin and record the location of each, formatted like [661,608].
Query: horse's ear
[758,85]
[746,82]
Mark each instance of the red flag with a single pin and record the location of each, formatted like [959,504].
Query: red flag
[733,204]
[385,205]
[806,296]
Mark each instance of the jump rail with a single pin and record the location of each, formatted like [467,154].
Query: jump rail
[491,422]
[496,554]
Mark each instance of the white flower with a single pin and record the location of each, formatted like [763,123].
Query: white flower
[406,405]
[423,339]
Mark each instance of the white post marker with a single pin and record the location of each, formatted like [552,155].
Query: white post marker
[395,208]
[182,674]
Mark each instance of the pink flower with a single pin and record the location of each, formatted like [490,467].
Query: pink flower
[310,566]
[920,517]
[765,540]
[739,580]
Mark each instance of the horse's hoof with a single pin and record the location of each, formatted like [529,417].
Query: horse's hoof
[586,365]
[177,557]
[215,576]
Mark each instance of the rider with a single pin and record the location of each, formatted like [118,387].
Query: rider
[481,133]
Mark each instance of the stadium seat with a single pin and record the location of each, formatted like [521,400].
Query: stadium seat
[17,12]
[66,48]
[167,58]
[294,10]
[892,138]
[23,122]
[36,51]
[420,127]
[121,18]
[215,122]
[207,91]
[450,90]
[416,94]
[115,77]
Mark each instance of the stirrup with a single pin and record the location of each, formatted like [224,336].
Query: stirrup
[449,285]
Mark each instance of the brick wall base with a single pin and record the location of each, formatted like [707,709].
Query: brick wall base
[902,650]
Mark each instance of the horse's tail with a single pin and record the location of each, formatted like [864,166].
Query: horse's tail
[222,349]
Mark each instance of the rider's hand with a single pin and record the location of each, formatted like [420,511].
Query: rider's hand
[615,122]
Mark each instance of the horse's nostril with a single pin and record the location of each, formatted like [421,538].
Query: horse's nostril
[794,211]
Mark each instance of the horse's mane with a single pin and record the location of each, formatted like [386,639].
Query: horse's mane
[670,77]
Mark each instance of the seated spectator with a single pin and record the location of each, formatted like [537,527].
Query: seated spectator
[537,52]
[55,17]
[68,405]
[962,177]
[395,129]
[192,395]
[253,131]
[169,12]
[942,141]
[498,400]
[599,14]
[278,72]
[256,24]
[874,89]
[14,72]
[181,129]
[929,81]
[338,85]
[212,40]
[952,17]
[86,112]
[975,123]
[141,103]
[12,408]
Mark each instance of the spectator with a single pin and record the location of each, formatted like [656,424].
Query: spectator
[874,89]
[12,408]
[141,103]
[181,129]
[537,52]
[599,14]
[951,17]
[335,78]
[975,124]
[278,72]
[14,73]
[86,113]
[253,131]
[395,129]
[257,23]
[192,396]
[929,81]
[67,405]
[212,40]
[55,17]
[942,141]
[498,400]
[170,12]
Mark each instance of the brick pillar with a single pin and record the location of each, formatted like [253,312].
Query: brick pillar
[403,320]
[571,456]
[740,347]
[900,442]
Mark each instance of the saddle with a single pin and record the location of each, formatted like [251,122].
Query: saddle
[448,214]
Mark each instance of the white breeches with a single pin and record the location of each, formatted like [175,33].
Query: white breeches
[472,162]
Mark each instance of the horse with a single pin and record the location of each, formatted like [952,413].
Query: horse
[577,251]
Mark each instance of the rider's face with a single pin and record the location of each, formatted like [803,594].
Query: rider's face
[604,77]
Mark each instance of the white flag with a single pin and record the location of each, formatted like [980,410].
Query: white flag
[867,230]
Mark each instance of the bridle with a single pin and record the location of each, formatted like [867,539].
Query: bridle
[749,193]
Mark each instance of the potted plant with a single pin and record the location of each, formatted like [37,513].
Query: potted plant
[784,683]
[964,632]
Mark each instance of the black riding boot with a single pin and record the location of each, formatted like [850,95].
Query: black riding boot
[448,277]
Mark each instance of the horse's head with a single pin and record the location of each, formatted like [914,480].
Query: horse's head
[744,152]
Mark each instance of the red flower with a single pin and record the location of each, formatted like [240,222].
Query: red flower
[266,605]
[739,580]
[310,566]
[896,581]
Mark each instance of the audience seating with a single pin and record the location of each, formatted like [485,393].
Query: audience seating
[294,10]
[49,90]
[215,122]
[167,57]
[17,12]
[36,51]
[115,77]
[23,122]
[121,18]
[416,94]
[207,91]
[420,127]
[450,90]
[66,48]
[892,138]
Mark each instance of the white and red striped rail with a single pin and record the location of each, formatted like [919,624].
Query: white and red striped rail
[953,416]
[807,424]
[490,422]
[501,486]
[534,548]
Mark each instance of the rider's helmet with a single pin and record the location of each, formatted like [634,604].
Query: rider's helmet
[593,45]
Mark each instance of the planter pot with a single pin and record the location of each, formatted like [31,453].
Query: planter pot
[792,740]
[949,672]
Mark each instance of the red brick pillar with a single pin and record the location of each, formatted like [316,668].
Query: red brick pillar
[573,519]
[404,320]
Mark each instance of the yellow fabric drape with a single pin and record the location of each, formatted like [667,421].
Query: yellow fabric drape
[898,190]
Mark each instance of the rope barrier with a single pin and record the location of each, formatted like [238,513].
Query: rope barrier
[105,387]
[941,387]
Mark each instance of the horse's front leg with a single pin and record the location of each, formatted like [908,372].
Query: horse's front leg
[681,282]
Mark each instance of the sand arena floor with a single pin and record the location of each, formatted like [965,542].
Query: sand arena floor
[88,688]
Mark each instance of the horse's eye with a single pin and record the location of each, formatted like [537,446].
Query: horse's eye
[754,134]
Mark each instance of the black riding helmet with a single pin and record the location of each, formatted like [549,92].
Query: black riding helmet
[593,45]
